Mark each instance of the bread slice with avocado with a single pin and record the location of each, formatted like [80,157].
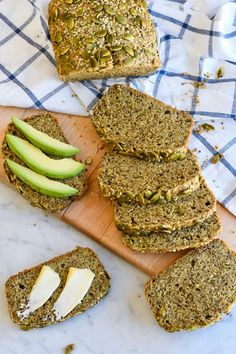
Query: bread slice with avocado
[196,290]
[19,287]
[46,124]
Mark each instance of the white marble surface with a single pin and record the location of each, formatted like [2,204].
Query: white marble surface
[121,324]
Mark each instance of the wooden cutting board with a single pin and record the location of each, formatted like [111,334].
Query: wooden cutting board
[93,214]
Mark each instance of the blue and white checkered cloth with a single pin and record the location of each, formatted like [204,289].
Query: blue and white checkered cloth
[196,38]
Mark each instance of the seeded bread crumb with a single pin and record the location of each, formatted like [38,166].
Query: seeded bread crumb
[48,124]
[196,290]
[18,288]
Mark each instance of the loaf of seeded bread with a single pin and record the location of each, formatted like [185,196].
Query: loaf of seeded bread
[196,290]
[144,219]
[48,124]
[18,288]
[129,179]
[136,124]
[103,38]
[172,241]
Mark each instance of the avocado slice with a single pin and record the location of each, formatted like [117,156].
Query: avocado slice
[41,163]
[39,183]
[43,141]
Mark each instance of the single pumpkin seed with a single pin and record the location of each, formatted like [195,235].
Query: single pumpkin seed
[97,21]
[167,227]
[220,72]
[80,12]
[155,198]
[133,12]
[85,55]
[129,50]
[128,36]
[148,194]
[123,198]
[94,63]
[69,2]
[91,40]
[99,8]
[141,199]
[138,21]
[136,54]
[188,191]
[168,196]
[129,62]
[174,157]
[131,195]
[58,37]
[90,47]
[64,51]
[121,19]
[181,156]
[98,55]
[70,23]
[122,6]
[74,41]
[216,158]
[65,16]
[109,10]
[64,58]
[116,48]
[167,231]
[101,34]
[109,38]
[105,53]
[105,59]
[55,14]
[148,53]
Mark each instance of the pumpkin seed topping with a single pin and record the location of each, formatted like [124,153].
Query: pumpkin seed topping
[70,23]
[109,10]
[121,19]
[101,34]
[128,36]
[148,194]
[69,2]
[116,48]
[58,37]
[129,62]
[99,8]
[94,63]
[155,198]
[129,50]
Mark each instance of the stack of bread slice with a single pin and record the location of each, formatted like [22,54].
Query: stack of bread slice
[161,201]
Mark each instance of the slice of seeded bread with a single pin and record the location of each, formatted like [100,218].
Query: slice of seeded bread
[48,124]
[168,241]
[129,179]
[18,288]
[137,124]
[188,211]
[196,290]
[101,39]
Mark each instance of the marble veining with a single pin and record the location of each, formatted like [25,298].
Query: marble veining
[121,324]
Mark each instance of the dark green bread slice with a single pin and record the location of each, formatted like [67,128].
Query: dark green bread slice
[196,290]
[130,179]
[136,124]
[188,211]
[19,286]
[48,124]
[168,241]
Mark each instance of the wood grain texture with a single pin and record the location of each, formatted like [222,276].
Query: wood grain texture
[93,214]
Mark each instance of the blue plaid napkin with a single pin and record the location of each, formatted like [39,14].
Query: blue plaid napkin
[196,39]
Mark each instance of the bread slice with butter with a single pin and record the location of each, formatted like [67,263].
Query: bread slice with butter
[75,282]
[48,125]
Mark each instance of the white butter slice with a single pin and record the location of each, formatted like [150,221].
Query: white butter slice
[77,285]
[45,285]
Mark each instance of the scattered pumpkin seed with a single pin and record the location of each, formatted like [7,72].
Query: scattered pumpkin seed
[105,59]
[138,21]
[109,38]
[90,47]
[121,19]
[91,40]
[166,227]
[167,231]
[133,12]
[105,53]
[216,158]
[168,196]
[98,55]
[80,12]
[155,198]
[148,194]
[74,41]
[136,54]
[187,191]
[129,62]
[89,160]
[69,2]
[71,23]
[116,48]
[204,128]
[99,8]
[174,157]
[55,14]
[220,72]
[129,50]
[109,10]
[69,348]
[101,34]
[148,53]
[181,156]
[65,16]
[58,37]
[64,58]
[122,6]
[94,63]
[97,21]
[128,36]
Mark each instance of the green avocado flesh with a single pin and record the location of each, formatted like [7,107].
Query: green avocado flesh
[40,183]
[43,141]
[41,163]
